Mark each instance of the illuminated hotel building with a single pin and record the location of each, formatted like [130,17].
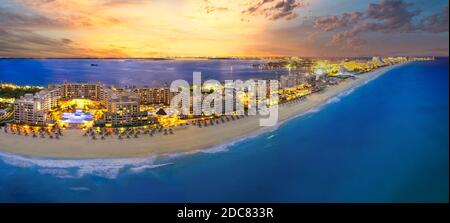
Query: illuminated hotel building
[29,109]
[154,95]
[49,98]
[93,91]
[123,110]
[151,96]
[126,102]
[289,81]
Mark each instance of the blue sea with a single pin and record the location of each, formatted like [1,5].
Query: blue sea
[386,141]
[127,72]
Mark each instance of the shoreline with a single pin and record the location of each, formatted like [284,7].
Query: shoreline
[186,140]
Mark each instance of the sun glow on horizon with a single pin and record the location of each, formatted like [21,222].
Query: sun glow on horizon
[192,28]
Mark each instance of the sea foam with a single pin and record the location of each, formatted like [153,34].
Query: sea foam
[71,168]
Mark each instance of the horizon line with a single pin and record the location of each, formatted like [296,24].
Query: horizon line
[218,57]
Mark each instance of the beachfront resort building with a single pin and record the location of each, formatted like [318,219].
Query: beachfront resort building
[124,110]
[92,91]
[30,109]
[50,98]
[154,95]
[33,109]
[125,102]
[289,81]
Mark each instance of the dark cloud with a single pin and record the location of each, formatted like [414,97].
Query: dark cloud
[210,9]
[66,41]
[388,16]
[331,23]
[27,37]
[391,15]
[19,36]
[256,6]
[9,18]
[26,43]
[275,9]
[435,23]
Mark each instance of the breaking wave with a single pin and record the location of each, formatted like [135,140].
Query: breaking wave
[79,188]
[70,168]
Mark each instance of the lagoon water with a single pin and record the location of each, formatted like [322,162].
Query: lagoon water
[386,141]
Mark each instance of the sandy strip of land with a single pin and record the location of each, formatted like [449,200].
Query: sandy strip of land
[185,140]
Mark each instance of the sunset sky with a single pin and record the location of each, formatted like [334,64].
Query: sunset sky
[166,28]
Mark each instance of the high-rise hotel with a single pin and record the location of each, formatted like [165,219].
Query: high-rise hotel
[29,109]
[92,91]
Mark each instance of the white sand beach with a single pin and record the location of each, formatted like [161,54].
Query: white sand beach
[184,140]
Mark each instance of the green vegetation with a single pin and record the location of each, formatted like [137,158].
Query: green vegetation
[4,105]
[17,92]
